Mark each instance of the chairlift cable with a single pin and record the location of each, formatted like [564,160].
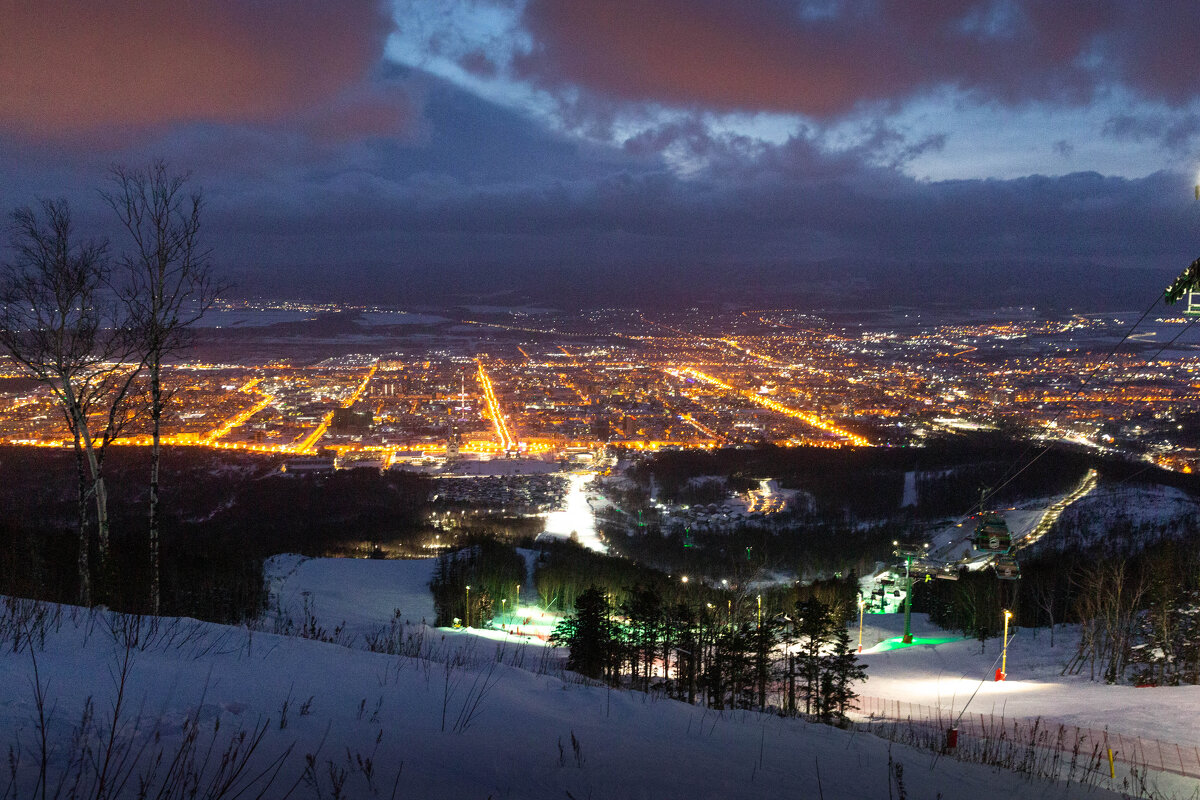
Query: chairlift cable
[1113,352]
[1011,475]
[982,681]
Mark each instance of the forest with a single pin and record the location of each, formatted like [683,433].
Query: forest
[221,515]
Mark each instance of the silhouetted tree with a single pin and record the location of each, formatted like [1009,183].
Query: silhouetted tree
[814,628]
[169,287]
[58,322]
[840,670]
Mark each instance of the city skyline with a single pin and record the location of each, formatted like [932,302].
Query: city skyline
[390,388]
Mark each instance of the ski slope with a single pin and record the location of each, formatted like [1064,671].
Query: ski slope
[383,726]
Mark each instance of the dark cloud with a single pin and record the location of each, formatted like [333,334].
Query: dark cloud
[74,68]
[781,207]
[367,177]
[1173,132]
[826,59]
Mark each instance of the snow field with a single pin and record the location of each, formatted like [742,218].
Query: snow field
[477,729]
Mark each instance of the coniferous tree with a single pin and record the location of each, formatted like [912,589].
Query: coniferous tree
[814,629]
[590,635]
[763,642]
[840,670]
[644,610]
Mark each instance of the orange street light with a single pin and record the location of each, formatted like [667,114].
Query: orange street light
[1002,673]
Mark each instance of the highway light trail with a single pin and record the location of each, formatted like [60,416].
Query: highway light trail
[733,343]
[310,441]
[362,387]
[806,417]
[238,419]
[489,395]
[707,431]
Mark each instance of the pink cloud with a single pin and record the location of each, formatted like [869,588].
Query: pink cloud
[67,68]
[769,55]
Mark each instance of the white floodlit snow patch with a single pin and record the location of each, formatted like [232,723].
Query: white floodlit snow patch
[576,520]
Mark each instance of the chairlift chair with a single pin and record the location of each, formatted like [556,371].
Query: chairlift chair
[1007,568]
[992,534]
[948,572]
[1193,304]
[1186,285]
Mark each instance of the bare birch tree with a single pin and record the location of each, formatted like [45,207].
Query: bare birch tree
[59,323]
[1109,597]
[169,286]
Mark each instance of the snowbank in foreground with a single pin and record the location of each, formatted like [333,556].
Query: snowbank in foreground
[362,596]
[479,729]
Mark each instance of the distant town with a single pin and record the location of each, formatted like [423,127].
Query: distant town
[429,389]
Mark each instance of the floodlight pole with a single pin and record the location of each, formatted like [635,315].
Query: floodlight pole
[861,603]
[907,600]
[1002,673]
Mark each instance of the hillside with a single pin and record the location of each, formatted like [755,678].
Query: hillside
[457,719]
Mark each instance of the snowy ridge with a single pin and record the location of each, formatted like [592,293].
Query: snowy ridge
[1126,518]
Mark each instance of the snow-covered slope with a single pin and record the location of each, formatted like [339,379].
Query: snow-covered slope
[363,594]
[947,673]
[1125,518]
[389,726]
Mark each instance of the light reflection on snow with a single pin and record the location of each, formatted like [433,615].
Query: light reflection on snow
[576,518]
[932,690]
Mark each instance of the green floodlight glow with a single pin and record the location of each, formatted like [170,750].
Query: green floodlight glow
[897,642]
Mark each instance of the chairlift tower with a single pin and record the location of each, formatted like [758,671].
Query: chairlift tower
[908,552]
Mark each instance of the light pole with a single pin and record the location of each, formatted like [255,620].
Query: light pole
[861,604]
[1002,673]
[760,611]
[468,606]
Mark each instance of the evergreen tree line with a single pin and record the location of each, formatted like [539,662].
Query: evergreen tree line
[867,483]
[473,584]
[801,662]
[807,545]
[565,570]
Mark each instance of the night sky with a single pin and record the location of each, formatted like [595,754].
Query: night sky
[630,149]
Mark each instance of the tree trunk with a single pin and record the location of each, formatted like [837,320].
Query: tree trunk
[85,575]
[155,451]
[100,492]
[95,469]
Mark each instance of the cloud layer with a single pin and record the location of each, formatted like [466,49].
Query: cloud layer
[70,68]
[540,143]
[826,58]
